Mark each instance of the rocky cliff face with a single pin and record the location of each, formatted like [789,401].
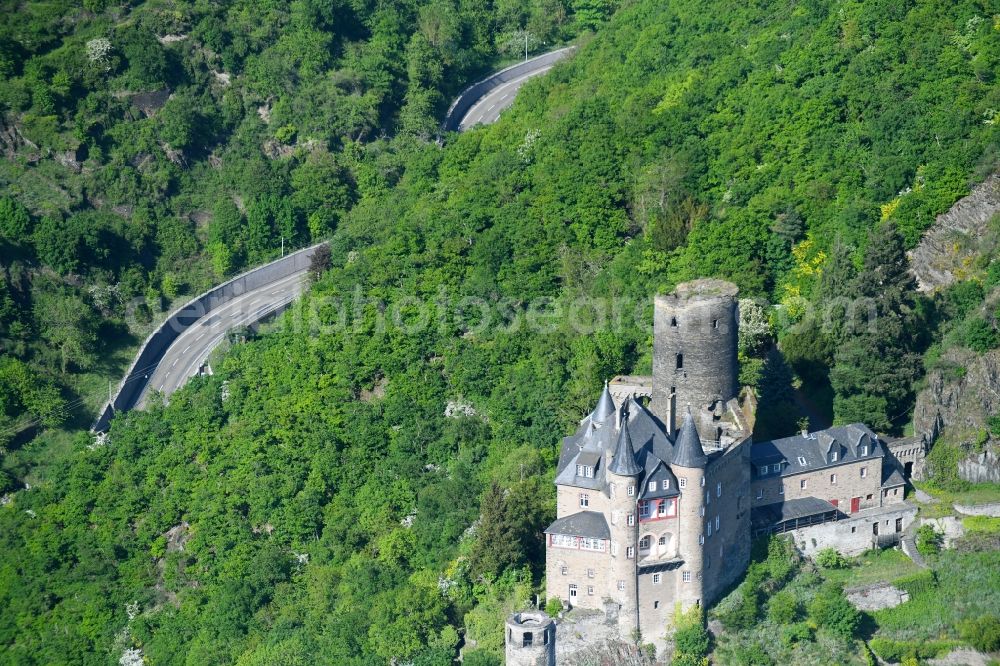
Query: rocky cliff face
[948,247]
[960,400]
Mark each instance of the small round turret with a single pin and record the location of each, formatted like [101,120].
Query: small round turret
[530,639]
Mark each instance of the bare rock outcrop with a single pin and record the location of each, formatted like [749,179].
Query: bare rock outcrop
[951,243]
[948,247]
[961,396]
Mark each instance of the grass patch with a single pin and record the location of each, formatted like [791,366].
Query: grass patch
[981,524]
[977,493]
[872,567]
[964,585]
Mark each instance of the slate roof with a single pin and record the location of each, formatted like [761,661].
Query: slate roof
[623,463]
[815,450]
[779,512]
[892,477]
[584,523]
[687,450]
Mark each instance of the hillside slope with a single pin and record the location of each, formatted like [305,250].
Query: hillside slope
[311,501]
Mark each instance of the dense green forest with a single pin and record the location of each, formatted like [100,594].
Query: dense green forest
[311,501]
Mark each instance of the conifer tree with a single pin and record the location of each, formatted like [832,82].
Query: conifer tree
[498,543]
[875,363]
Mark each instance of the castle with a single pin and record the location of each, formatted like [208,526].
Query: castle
[657,503]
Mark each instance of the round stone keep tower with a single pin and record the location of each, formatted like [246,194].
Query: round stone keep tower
[694,349]
[530,639]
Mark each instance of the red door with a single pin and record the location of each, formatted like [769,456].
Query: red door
[855,504]
[835,503]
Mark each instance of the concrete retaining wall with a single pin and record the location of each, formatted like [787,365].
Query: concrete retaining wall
[992,510]
[471,95]
[156,344]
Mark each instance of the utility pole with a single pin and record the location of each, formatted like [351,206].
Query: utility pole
[525,46]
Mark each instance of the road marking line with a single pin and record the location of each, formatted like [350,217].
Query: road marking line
[275,293]
[166,375]
[199,337]
[186,349]
[175,362]
[491,108]
[504,97]
[161,387]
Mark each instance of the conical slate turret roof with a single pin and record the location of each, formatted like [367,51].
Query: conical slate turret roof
[624,463]
[605,407]
[687,448]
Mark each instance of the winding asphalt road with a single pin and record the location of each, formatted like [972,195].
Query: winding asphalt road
[190,350]
[485,100]
[489,107]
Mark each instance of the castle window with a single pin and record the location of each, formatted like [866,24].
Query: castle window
[661,509]
[590,590]
[833,479]
[864,472]
[656,604]
[702,482]
[864,450]
[584,499]
[686,576]
[701,539]
[869,497]
[715,323]
[781,490]
[833,456]
[644,542]
[564,571]
[590,573]
[643,510]
[802,484]
[763,470]
[663,540]
[718,489]
[527,638]
[631,519]
[631,491]
[760,493]
[673,322]
[802,461]
[652,486]
[680,361]
[563,541]
[657,578]
[591,543]
[708,528]
[716,523]
[776,467]
[683,483]
[621,586]
[585,471]
[630,552]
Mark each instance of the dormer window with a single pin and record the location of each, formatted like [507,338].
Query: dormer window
[833,456]
[802,461]
[777,467]
[864,450]
[652,486]
[763,470]
[585,471]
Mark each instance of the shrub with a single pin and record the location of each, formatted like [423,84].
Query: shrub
[554,606]
[800,632]
[894,651]
[691,639]
[928,540]
[917,583]
[782,608]
[828,558]
[982,633]
[831,611]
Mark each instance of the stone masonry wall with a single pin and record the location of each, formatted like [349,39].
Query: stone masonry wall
[852,535]
[849,484]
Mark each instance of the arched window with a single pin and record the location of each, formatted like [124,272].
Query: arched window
[680,361]
[644,542]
